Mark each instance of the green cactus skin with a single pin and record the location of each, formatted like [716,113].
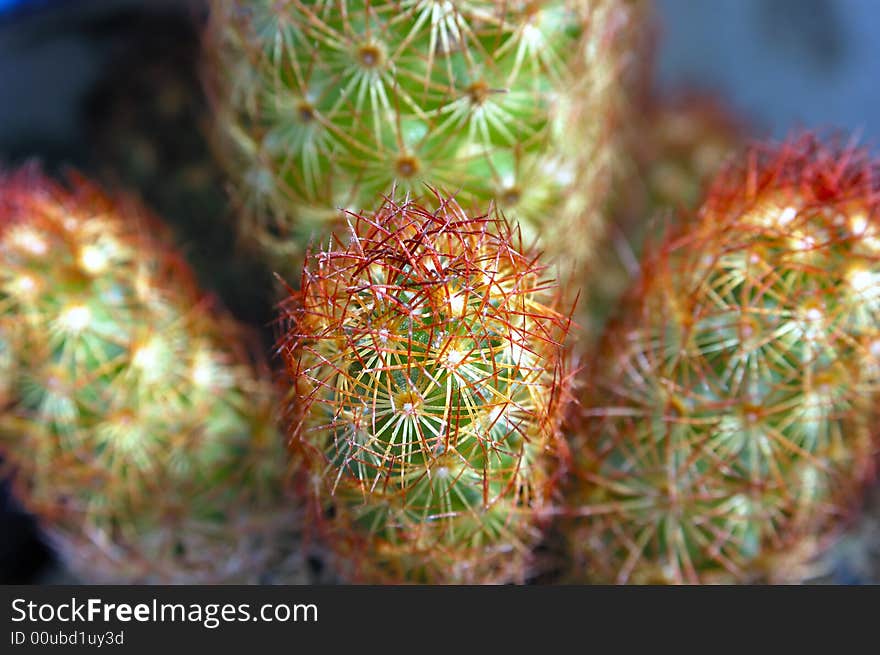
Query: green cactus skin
[428,379]
[726,432]
[326,105]
[137,428]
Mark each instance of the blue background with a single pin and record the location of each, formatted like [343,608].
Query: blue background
[784,63]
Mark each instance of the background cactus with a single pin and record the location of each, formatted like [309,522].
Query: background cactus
[674,149]
[426,363]
[324,105]
[137,426]
[726,431]
[685,138]
[146,121]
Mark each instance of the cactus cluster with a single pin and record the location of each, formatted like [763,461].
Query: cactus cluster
[721,430]
[726,428]
[323,106]
[425,353]
[136,424]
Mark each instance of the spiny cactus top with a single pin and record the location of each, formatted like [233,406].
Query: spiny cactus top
[727,428]
[138,428]
[425,350]
[323,105]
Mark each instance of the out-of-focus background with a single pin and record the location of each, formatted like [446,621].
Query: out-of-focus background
[783,63]
[110,87]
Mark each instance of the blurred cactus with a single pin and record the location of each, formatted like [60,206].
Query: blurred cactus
[147,121]
[137,427]
[674,149]
[425,353]
[684,144]
[147,115]
[725,432]
[322,106]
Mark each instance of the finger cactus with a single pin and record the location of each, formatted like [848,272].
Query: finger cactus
[690,137]
[426,360]
[323,106]
[137,426]
[675,150]
[726,432]
[141,120]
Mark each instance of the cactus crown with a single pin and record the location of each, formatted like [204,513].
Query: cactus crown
[426,354]
[728,421]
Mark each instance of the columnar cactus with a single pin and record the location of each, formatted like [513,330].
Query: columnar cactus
[137,427]
[674,150]
[426,361]
[324,105]
[687,139]
[726,431]
[142,121]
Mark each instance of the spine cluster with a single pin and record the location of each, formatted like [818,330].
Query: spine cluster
[427,380]
[726,429]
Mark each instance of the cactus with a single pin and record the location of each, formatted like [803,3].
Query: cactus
[137,426]
[688,138]
[427,380]
[680,143]
[725,434]
[323,106]
[142,122]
